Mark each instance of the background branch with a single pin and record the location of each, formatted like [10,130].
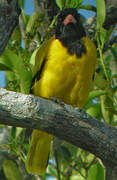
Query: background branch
[70,124]
[111,17]
[9,14]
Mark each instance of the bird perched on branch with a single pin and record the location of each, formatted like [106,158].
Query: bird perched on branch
[64,69]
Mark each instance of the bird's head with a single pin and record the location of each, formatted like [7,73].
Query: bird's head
[69,25]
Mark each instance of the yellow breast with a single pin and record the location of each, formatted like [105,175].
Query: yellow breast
[66,76]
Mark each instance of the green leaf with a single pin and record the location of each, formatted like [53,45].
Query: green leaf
[13,132]
[95,111]
[94,94]
[96,172]
[26,17]
[60,3]
[64,155]
[114,76]
[72,149]
[34,22]
[11,170]
[4,67]
[105,35]
[21,2]
[88,7]
[107,108]
[16,64]
[76,3]
[15,39]
[32,59]
[101,13]
[114,52]
[77,177]
[69,3]
[100,82]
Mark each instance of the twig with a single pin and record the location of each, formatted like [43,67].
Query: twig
[22,26]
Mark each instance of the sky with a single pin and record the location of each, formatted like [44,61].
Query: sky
[29,8]
[85,13]
[2,79]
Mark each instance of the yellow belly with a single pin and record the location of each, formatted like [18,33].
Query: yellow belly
[67,77]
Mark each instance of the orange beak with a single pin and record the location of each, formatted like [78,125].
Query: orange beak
[69,19]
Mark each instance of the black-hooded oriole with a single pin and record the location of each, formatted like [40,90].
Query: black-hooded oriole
[64,69]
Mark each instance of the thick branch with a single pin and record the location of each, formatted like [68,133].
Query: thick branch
[9,12]
[70,124]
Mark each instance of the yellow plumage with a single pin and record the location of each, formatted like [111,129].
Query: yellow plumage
[38,155]
[66,77]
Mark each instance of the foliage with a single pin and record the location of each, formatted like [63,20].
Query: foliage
[66,161]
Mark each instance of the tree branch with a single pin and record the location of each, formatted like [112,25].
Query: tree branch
[70,124]
[111,17]
[9,13]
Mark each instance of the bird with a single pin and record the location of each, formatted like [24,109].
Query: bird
[64,69]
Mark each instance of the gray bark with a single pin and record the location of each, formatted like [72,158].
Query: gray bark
[70,124]
[9,14]
[111,17]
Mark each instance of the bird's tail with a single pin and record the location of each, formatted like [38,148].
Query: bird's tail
[37,157]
